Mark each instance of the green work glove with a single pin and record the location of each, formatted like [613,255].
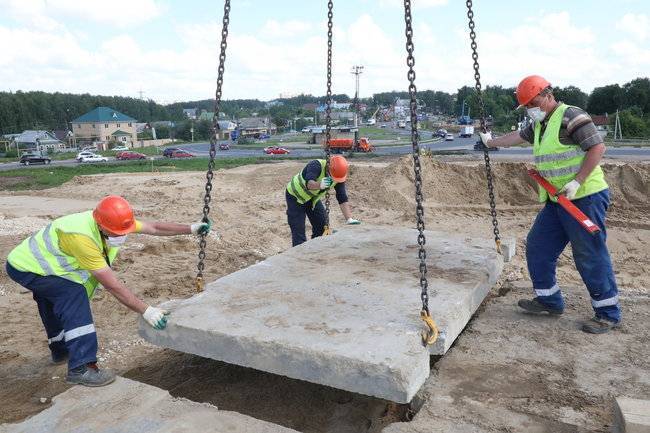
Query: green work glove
[156,317]
[201,228]
[326,182]
[353,222]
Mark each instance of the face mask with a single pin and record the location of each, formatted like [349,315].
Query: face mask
[536,114]
[116,241]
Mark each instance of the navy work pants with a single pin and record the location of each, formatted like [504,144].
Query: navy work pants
[65,312]
[296,214]
[553,229]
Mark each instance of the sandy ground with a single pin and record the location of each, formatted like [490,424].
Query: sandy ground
[507,371]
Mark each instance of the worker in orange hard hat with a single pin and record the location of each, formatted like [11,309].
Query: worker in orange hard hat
[62,265]
[567,148]
[304,193]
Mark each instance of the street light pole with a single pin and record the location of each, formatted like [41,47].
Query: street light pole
[356,70]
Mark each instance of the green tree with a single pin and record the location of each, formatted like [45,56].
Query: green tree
[571,95]
[606,99]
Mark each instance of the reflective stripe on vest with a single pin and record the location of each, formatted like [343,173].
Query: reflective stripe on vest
[40,253]
[297,187]
[559,163]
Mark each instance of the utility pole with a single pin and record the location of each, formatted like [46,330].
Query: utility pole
[141,93]
[618,133]
[356,71]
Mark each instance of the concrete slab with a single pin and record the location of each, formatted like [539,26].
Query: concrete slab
[341,311]
[631,415]
[127,406]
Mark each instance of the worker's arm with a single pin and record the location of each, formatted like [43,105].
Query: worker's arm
[592,158]
[510,139]
[115,287]
[171,229]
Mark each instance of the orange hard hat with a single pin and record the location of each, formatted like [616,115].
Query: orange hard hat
[338,168]
[114,214]
[530,87]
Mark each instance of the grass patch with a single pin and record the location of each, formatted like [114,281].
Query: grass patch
[374,133]
[49,177]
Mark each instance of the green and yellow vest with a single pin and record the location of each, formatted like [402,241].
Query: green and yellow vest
[41,255]
[297,187]
[559,163]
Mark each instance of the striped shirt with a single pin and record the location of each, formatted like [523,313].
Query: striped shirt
[577,130]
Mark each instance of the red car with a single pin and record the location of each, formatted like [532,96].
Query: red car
[181,154]
[130,155]
[275,150]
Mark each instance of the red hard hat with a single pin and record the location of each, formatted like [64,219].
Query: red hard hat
[114,214]
[338,168]
[530,87]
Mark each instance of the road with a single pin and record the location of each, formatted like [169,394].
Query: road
[458,144]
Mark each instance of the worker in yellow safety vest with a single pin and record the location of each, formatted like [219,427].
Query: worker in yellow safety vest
[62,265]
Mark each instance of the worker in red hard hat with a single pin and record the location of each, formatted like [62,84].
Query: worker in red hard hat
[62,265]
[567,148]
[305,191]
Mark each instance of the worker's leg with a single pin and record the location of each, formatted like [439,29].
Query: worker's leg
[296,218]
[592,257]
[317,219]
[53,327]
[544,244]
[71,308]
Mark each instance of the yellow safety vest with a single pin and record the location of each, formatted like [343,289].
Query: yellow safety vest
[297,187]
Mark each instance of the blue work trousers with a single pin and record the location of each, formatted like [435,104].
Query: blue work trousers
[296,214]
[65,312]
[553,229]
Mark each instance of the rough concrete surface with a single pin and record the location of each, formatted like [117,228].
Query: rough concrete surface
[341,311]
[126,406]
[632,415]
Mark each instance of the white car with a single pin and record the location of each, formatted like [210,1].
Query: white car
[119,149]
[93,158]
[449,137]
[83,154]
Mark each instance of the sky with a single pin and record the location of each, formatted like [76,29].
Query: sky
[168,50]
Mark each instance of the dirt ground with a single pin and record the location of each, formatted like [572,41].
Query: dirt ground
[506,372]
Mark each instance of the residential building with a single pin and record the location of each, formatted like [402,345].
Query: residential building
[256,126]
[103,126]
[41,141]
[190,113]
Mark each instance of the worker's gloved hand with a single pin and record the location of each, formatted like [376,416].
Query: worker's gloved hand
[326,182]
[201,228]
[156,317]
[353,222]
[485,137]
[570,189]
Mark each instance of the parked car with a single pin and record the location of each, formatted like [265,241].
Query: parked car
[167,153]
[181,154]
[31,158]
[224,146]
[130,155]
[93,158]
[119,148]
[442,133]
[84,153]
[275,150]
[449,137]
[89,148]
[264,136]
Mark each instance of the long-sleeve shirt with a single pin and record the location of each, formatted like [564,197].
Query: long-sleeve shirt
[312,171]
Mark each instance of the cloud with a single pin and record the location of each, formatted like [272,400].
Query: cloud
[417,4]
[285,29]
[635,25]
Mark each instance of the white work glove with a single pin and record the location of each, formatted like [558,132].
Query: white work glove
[570,189]
[485,137]
[201,228]
[156,317]
[326,182]
[353,222]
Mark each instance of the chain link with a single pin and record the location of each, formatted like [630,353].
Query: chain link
[415,138]
[328,108]
[486,156]
[213,143]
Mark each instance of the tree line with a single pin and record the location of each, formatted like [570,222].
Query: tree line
[50,111]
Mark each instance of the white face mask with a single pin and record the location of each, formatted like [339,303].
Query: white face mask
[116,241]
[536,114]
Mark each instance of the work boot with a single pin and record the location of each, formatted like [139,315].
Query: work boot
[598,325]
[90,375]
[59,358]
[534,306]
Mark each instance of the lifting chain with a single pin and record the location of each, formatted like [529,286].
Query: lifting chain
[328,112]
[431,334]
[486,156]
[213,145]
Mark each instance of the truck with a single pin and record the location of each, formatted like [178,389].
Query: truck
[466,131]
[340,145]
[401,123]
